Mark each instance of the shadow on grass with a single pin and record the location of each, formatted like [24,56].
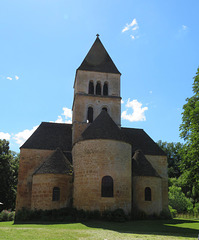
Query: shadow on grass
[155,227]
[174,227]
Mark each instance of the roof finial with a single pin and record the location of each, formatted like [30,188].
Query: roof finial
[97,35]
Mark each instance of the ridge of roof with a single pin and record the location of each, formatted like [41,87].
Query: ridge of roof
[139,139]
[98,59]
[56,163]
[141,166]
[103,127]
[50,136]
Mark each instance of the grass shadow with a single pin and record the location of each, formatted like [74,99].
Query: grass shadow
[174,227]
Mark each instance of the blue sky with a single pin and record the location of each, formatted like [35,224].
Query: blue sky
[153,43]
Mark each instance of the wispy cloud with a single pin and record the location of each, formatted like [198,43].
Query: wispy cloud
[133,26]
[67,116]
[9,78]
[138,113]
[184,27]
[21,137]
[5,136]
[16,77]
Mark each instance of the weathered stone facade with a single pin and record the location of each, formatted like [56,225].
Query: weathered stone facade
[93,163]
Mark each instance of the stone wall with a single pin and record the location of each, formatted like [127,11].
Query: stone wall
[30,160]
[42,191]
[160,165]
[94,159]
[139,185]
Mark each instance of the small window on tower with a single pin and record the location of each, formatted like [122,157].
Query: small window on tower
[105,89]
[90,115]
[104,109]
[91,88]
[98,88]
[56,194]
[147,194]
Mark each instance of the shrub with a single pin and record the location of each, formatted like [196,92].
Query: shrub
[6,215]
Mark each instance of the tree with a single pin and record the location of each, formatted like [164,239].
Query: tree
[190,133]
[173,151]
[9,162]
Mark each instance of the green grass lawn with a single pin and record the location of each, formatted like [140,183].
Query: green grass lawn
[146,230]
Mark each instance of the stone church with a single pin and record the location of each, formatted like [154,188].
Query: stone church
[93,163]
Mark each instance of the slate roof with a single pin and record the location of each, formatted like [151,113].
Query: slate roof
[56,163]
[103,127]
[98,59]
[139,139]
[50,136]
[141,166]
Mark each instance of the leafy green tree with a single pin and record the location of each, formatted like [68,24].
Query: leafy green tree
[178,200]
[9,162]
[190,133]
[173,151]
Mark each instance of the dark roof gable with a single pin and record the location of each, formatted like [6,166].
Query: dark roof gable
[103,127]
[141,166]
[56,163]
[139,139]
[98,60]
[50,136]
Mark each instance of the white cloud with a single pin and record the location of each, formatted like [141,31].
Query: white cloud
[150,92]
[133,25]
[133,37]
[184,27]
[67,116]
[9,78]
[21,137]
[122,101]
[138,113]
[4,136]
[16,77]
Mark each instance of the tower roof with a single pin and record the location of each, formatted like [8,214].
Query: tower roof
[56,163]
[98,59]
[103,127]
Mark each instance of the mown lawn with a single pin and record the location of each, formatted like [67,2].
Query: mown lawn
[146,230]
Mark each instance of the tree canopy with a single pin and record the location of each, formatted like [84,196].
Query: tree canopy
[9,162]
[189,131]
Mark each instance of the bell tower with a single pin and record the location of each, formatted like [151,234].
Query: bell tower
[96,88]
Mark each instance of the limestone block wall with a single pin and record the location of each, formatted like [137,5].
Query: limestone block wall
[42,191]
[139,185]
[94,159]
[160,164]
[30,160]
[83,77]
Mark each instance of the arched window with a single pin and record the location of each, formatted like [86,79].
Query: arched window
[105,89]
[56,194]
[104,109]
[91,88]
[98,88]
[107,186]
[90,115]
[147,194]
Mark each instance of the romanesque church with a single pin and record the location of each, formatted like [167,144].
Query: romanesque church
[93,163]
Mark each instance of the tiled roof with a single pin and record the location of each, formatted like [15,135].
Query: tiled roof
[50,136]
[56,163]
[103,127]
[98,60]
[141,166]
[139,139]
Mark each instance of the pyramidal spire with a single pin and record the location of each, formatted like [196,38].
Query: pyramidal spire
[98,59]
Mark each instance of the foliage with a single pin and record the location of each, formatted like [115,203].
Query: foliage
[190,133]
[9,162]
[178,200]
[173,151]
[68,215]
[6,215]
[172,211]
